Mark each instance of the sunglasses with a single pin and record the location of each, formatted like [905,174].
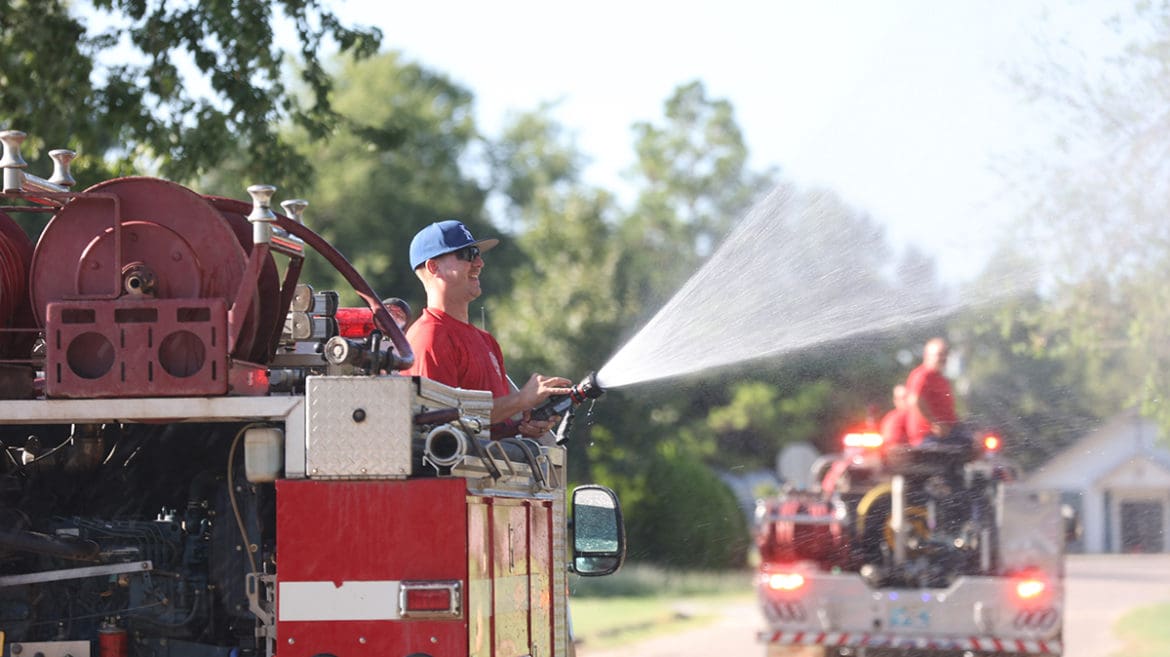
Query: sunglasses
[467,253]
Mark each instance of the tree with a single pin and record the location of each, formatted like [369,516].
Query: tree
[68,86]
[1024,380]
[757,422]
[691,520]
[1098,211]
[695,185]
[392,165]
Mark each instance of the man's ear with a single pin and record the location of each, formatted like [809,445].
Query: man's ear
[431,265]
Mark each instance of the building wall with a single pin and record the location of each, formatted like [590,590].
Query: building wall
[1121,463]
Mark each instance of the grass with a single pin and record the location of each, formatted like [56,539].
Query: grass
[641,602]
[1145,632]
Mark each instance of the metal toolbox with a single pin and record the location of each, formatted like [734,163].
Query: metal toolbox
[362,427]
[358,427]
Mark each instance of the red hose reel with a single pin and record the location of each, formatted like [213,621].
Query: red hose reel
[16,251]
[133,281]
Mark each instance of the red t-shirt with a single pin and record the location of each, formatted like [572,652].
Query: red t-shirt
[893,427]
[456,353]
[934,392]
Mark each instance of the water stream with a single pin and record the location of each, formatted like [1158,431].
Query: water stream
[794,273]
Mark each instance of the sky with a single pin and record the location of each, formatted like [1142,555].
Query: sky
[903,108]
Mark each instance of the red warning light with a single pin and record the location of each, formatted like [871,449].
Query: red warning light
[1030,588]
[785,581]
[991,443]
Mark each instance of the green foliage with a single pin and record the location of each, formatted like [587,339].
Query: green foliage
[687,518]
[756,424]
[695,186]
[390,167]
[1097,222]
[1023,381]
[637,580]
[138,104]
[1144,631]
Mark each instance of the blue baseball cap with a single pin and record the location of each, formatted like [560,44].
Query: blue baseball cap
[443,237]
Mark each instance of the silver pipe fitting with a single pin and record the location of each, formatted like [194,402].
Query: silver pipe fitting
[294,208]
[11,161]
[62,175]
[261,216]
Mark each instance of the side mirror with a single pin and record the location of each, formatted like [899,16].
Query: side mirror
[599,538]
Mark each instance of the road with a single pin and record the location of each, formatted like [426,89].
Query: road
[1100,589]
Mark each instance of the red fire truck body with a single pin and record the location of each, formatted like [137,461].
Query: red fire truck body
[197,462]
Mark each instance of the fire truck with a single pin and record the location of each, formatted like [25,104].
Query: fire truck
[203,456]
[930,550]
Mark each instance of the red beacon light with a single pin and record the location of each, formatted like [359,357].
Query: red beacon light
[867,440]
[991,443]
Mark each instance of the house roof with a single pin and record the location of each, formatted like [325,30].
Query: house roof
[1123,438]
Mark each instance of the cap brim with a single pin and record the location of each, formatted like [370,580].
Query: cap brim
[486,245]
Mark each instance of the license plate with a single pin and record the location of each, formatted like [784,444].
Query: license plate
[909,618]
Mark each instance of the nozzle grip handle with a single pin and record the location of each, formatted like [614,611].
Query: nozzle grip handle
[554,405]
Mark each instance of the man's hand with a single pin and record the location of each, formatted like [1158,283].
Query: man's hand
[530,428]
[538,388]
[541,387]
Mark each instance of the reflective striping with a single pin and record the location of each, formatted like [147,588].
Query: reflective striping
[993,644]
[344,601]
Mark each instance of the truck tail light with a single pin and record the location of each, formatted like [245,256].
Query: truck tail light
[1030,588]
[430,599]
[785,581]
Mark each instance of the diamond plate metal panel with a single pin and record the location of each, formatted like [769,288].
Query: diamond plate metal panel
[358,427]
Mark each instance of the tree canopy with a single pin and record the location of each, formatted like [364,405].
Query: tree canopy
[175,87]
[1097,222]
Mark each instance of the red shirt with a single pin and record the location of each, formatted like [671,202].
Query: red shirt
[456,353]
[893,427]
[933,392]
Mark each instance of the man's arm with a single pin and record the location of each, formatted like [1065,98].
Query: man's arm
[538,389]
[914,400]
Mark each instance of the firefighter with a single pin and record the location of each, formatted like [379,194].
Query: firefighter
[930,404]
[449,349]
[932,422]
[893,424]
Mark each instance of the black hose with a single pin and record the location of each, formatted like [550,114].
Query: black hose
[77,550]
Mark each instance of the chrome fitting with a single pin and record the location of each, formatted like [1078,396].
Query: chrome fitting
[262,216]
[62,175]
[11,161]
[294,209]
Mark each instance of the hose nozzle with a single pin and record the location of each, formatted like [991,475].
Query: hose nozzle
[588,388]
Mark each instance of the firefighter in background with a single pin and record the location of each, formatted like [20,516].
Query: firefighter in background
[449,349]
[930,404]
[893,424]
